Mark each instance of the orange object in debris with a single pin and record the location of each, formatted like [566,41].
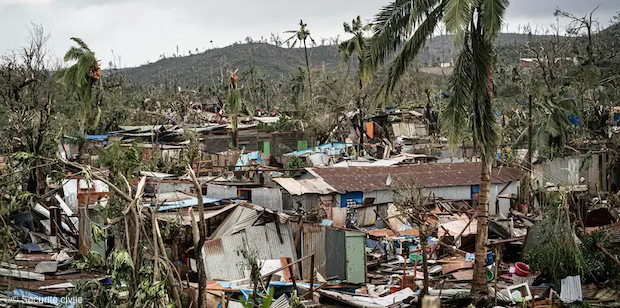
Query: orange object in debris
[370,130]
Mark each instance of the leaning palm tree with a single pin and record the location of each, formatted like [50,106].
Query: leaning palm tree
[359,45]
[81,77]
[301,36]
[405,26]
[84,73]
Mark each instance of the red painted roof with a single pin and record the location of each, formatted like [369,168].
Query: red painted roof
[368,179]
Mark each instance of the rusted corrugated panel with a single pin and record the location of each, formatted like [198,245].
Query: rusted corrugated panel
[313,242]
[368,179]
[221,260]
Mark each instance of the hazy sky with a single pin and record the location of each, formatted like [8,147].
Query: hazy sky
[141,30]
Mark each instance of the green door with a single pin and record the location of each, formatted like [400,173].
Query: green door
[355,243]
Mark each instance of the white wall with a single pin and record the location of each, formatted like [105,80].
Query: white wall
[381,196]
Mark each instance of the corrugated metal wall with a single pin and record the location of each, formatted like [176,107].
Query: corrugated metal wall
[454,192]
[221,191]
[223,262]
[313,242]
[270,198]
[560,171]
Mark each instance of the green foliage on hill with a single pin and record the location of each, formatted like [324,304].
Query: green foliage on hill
[211,66]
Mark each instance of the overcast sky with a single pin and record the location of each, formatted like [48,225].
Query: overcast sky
[141,30]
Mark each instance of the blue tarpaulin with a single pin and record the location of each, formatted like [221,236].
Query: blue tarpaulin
[576,120]
[102,138]
[246,160]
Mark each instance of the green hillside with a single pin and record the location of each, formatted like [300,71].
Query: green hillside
[277,62]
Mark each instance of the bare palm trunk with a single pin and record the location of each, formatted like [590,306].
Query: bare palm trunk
[479,285]
[234,132]
[308,70]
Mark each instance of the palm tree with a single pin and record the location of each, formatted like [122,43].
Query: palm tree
[301,36]
[405,26]
[83,74]
[81,77]
[358,45]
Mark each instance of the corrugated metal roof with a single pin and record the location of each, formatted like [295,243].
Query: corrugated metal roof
[186,218]
[309,186]
[223,261]
[245,215]
[368,179]
[571,289]
[293,186]
[281,302]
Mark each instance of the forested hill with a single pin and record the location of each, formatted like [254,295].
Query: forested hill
[278,62]
[273,61]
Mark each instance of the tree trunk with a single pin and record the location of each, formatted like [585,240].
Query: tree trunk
[308,70]
[234,131]
[200,236]
[423,245]
[84,229]
[479,290]
[360,108]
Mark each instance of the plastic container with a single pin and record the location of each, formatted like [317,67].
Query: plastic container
[490,275]
[522,269]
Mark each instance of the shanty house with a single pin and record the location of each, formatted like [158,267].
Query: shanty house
[355,186]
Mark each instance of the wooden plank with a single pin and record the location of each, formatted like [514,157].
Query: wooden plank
[466,275]
[452,267]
